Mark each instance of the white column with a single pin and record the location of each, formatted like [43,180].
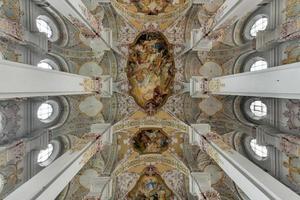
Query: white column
[21,80]
[48,183]
[255,183]
[277,82]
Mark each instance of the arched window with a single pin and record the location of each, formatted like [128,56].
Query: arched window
[258,108]
[260,151]
[44,27]
[45,111]
[49,154]
[48,64]
[259,25]
[45,154]
[259,65]
[44,65]
[48,111]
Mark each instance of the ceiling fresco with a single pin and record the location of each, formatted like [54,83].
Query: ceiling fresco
[152,7]
[150,186]
[150,141]
[150,70]
[139,12]
[147,139]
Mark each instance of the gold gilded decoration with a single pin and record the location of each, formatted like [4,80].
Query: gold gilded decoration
[91,152]
[218,140]
[215,85]
[150,122]
[143,160]
[213,154]
[88,85]
[293,170]
[292,8]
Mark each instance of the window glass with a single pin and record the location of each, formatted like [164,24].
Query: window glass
[259,65]
[44,27]
[258,108]
[44,65]
[259,25]
[259,150]
[45,154]
[45,111]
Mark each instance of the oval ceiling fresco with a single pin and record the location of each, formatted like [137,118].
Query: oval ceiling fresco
[150,70]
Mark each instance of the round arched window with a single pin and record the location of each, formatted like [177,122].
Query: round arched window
[49,154]
[45,111]
[259,25]
[259,65]
[45,154]
[44,65]
[258,108]
[260,151]
[44,27]
[48,64]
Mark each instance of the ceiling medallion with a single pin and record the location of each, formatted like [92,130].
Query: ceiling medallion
[150,70]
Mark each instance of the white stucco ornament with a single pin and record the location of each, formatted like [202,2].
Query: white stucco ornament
[86,179]
[91,69]
[210,105]
[91,106]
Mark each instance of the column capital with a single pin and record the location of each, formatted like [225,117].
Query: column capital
[199,87]
[102,85]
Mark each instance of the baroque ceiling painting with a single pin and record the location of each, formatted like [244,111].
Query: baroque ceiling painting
[161,12]
[150,186]
[151,70]
[152,7]
[150,141]
[139,101]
